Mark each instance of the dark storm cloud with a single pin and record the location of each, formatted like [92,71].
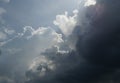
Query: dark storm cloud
[100,44]
[96,58]
[98,47]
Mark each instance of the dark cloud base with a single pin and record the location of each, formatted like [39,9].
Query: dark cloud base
[100,45]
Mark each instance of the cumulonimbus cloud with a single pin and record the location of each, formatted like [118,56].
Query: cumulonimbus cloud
[94,56]
[97,47]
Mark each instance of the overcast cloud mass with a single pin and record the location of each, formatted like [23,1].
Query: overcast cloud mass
[59,42]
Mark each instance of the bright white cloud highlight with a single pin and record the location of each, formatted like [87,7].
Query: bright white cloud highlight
[90,2]
[66,23]
[9,31]
[43,33]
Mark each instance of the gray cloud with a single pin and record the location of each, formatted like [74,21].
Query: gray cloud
[19,56]
[2,11]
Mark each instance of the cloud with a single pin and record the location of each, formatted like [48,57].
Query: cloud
[99,44]
[66,23]
[3,36]
[46,35]
[101,33]
[96,57]
[9,31]
[6,80]
[31,43]
[89,53]
[39,68]
[90,2]
[6,35]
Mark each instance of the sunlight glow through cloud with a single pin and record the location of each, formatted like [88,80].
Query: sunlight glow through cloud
[90,2]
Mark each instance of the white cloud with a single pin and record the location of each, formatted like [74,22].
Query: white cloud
[26,46]
[90,2]
[43,33]
[32,41]
[66,23]
[8,40]
[9,31]
[28,30]
[38,39]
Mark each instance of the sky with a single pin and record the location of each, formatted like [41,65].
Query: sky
[27,28]
[56,41]
[35,13]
